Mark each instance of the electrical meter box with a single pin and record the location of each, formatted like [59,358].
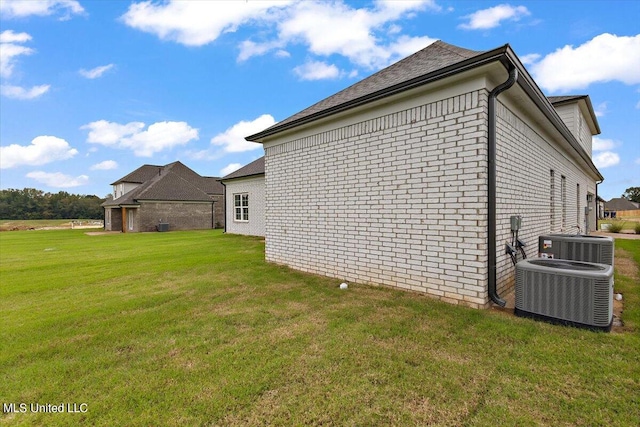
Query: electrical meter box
[516,222]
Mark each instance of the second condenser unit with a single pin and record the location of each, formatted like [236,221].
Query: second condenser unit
[597,249]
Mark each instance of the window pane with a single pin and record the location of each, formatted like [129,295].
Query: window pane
[246,214]
[245,200]
[236,200]
[238,214]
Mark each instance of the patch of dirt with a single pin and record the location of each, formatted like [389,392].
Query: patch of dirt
[625,266]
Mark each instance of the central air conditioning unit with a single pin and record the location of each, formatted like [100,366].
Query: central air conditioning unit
[566,292]
[598,249]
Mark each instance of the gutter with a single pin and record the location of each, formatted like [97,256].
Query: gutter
[491,238]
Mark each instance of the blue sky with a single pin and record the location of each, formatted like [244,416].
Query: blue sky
[91,90]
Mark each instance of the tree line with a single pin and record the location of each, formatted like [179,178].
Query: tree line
[30,203]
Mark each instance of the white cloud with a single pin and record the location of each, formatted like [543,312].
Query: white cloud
[604,58]
[197,23]
[42,150]
[606,159]
[249,49]
[94,73]
[22,8]
[326,28]
[231,167]
[603,156]
[492,17]
[9,50]
[58,179]
[336,28]
[530,58]
[602,144]
[18,92]
[144,143]
[109,133]
[601,109]
[105,166]
[8,36]
[232,140]
[316,70]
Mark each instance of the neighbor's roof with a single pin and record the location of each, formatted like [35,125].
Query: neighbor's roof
[172,182]
[254,168]
[140,175]
[432,59]
[620,204]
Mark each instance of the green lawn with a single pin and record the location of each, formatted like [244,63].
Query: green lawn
[194,328]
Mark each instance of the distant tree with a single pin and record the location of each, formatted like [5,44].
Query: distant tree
[30,203]
[632,193]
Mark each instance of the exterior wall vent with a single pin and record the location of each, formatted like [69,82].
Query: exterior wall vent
[597,249]
[565,292]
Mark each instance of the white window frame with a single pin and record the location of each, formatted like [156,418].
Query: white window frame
[241,207]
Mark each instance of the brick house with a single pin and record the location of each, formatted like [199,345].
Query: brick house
[409,177]
[171,194]
[245,200]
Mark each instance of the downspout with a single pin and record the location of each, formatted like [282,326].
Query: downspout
[493,261]
[213,216]
[224,205]
[597,205]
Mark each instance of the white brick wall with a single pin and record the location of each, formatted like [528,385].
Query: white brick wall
[255,187]
[397,200]
[525,157]
[401,199]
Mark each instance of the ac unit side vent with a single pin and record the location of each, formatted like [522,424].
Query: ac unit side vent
[596,249]
[558,293]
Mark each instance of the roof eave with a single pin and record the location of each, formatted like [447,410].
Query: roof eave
[253,175]
[456,68]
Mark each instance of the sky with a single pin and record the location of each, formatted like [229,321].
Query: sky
[90,90]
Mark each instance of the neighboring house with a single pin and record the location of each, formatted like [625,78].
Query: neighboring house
[171,194]
[617,205]
[244,199]
[600,202]
[409,177]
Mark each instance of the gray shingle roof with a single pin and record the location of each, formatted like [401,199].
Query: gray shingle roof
[619,204]
[254,168]
[172,182]
[432,59]
[140,175]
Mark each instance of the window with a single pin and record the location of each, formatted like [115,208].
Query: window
[578,204]
[241,206]
[552,190]
[563,195]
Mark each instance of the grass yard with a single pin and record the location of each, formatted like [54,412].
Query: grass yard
[194,328]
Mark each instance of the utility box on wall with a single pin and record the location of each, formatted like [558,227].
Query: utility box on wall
[163,226]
